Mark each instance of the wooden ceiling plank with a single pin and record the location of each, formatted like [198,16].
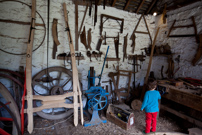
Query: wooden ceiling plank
[151,6]
[185,3]
[114,2]
[99,2]
[127,4]
[140,6]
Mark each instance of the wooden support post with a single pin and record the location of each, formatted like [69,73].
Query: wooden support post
[195,29]
[29,69]
[149,65]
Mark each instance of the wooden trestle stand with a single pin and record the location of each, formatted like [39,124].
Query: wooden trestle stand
[54,101]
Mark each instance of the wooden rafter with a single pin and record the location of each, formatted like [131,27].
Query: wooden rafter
[127,4]
[179,5]
[99,2]
[140,5]
[151,6]
[114,2]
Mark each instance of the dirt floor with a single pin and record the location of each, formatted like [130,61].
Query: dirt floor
[66,127]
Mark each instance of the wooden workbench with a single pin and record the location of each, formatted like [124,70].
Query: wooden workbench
[183,97]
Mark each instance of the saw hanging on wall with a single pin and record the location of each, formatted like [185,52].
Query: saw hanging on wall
[83,38]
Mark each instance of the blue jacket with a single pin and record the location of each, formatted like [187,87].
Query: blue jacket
[150,102]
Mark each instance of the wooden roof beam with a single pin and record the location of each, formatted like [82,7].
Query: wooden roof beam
[99,2]
[185,3]
[127,4]
[140,5]
[151,6]
[114,2]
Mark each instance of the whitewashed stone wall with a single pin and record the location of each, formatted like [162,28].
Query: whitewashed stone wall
[14,36]
[185,47]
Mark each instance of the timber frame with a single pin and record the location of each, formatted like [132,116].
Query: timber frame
[110,17]
[120,91]
[140,32]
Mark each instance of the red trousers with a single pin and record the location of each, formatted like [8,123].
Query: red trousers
[151,121]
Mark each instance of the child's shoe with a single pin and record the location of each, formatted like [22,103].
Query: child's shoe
[144,132]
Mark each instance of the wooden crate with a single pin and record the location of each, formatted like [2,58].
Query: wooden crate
[112,116]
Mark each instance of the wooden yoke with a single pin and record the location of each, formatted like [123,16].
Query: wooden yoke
[76,86]
[29,68]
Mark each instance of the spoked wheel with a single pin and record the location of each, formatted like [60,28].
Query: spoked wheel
[98,102]
[53,81]
[14,111]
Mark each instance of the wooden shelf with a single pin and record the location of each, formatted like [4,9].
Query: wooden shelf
[69,58]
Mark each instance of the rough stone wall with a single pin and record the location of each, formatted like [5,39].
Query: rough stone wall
[13,38]
[186,47]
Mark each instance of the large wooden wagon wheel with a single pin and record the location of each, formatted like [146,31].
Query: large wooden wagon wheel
[14,111]
[53,81]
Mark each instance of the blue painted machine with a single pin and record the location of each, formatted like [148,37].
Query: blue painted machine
[97,99]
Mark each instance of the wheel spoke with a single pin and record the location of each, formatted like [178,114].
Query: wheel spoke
[43,86]
[102,101]
[95,105]
[100,97]
[59,77]
[66,83]
[100,105]
[51,83]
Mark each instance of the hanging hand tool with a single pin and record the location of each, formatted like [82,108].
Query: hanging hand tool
[111,17]
[89,55]
[95,54]
[99,43]
[83,38]
[90,8]
[104,3]
[83,20]
[125,47]
[116,44]
[95,15]
[133,43]
[55,37]
[89,39]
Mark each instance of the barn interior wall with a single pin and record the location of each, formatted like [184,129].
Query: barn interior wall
[186,47]
[13,38]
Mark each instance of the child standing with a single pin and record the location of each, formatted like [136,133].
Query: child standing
[150,104]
